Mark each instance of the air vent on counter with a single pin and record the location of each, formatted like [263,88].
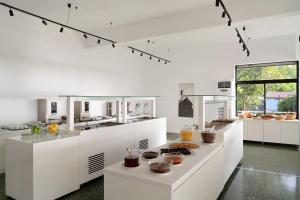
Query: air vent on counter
[221,113]
[95,163]
[144,144]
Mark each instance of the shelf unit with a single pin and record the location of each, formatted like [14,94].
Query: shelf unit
[121,105]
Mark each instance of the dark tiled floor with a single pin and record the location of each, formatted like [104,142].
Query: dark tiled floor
[267,172]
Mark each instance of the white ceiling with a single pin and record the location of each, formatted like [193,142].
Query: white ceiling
[222,35]
[97,14]
[185,22]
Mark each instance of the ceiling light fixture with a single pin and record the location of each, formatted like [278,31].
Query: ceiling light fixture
[229,23]
[99,41]
[142,54]
[223,14]
[158,60]
[85,36]
[44,22]
[113,45]
[11,12]
[61,29]
[132,50]
[217,3]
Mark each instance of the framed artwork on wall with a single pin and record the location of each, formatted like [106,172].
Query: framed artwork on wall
[186,104]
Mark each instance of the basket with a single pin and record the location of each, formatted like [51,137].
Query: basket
[280,117]
[290,116]
[208,137]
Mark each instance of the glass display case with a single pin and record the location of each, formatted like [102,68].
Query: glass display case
[121,109]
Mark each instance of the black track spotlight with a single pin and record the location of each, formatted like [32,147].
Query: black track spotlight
[99,41]
[113,45]
[61,29]
[11,12]
[166,62]
[217,3]
[142,54]
[132,50]
[244,47]
[244,28]
[229,23]
[85,36]
[240,41]
[150,57]
[248,53]
[158,60]
[224,14]
[44,22]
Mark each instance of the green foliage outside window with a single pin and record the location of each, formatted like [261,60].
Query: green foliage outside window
[250,97]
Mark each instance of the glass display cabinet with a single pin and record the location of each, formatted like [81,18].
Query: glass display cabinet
[120,109]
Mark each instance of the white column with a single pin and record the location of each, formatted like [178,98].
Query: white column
[201,112]
[70,113]
[153,107]
[124,110]
[119,111]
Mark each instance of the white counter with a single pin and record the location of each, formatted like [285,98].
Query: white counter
[48,167]
[273,131]
[140,183]
[45,170]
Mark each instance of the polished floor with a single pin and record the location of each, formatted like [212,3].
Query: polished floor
[267,172]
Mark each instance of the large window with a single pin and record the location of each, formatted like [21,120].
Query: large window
[267,88]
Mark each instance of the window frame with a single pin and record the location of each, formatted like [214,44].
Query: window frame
[265,82]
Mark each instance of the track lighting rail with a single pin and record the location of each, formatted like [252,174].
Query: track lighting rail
[225,12]
[55,22]
[86,34]
[241,40]
[149,54]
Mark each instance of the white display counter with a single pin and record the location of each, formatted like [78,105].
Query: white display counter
[50,167]
[46,168]
[201,176]
[273,131]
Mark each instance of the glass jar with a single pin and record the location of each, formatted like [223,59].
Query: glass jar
[131,158]
[186,133]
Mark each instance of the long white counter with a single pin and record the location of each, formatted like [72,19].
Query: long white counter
[201,176]
[47,168]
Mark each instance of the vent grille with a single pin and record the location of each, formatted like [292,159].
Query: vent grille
[144,144]
[221,113]
[96,163]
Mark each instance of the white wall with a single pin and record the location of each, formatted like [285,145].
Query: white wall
[38,61]
[205,66]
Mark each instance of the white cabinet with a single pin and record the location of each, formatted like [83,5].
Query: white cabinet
[272,131]
[290,133]
[254,130]
[193,189]
[208,188]
[44,170]
[214,176]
